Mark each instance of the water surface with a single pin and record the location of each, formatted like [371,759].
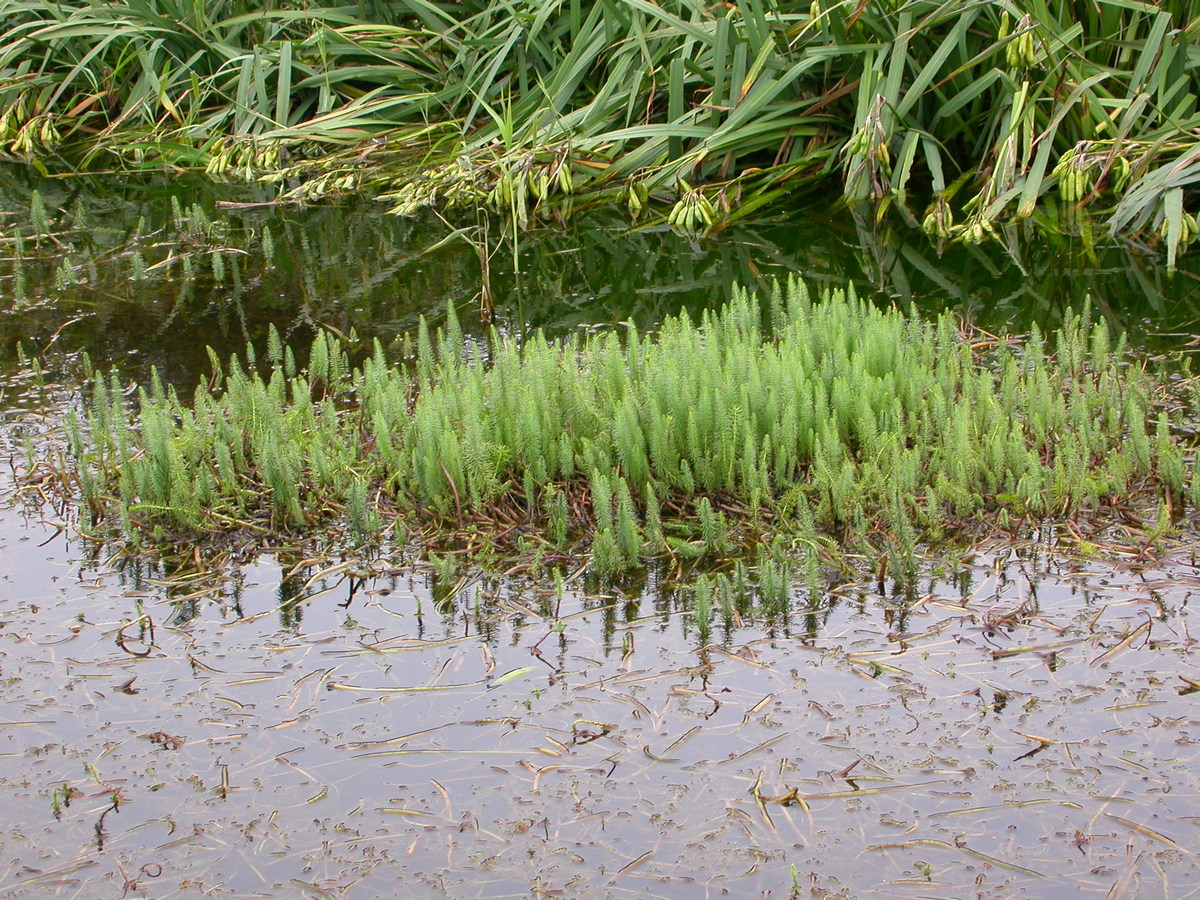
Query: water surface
[1027,727]
[142,276]
[272,721]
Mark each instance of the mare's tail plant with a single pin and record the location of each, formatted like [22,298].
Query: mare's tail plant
[782,413]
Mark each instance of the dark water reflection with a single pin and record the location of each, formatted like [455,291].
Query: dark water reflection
[125,298]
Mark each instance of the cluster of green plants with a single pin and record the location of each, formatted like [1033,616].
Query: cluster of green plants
[760,585]
[807,418]
[971,115]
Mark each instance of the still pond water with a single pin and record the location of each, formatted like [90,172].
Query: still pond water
[273,722]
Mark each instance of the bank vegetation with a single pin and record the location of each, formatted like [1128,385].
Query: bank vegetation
[969,116]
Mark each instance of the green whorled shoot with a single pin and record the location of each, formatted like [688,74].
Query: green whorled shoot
[840,418]
[702,595]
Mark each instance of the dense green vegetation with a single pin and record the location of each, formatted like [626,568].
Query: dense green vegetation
[791,414]
[972,114]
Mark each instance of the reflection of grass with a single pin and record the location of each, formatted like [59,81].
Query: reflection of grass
[791,414]
[127,250]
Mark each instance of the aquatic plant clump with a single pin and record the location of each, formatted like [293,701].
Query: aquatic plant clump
[830,415]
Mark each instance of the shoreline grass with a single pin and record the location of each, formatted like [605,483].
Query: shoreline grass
[970,116]
[777,417]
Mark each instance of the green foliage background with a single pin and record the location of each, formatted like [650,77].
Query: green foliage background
[971,114]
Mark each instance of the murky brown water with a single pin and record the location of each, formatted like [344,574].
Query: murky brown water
[287,727]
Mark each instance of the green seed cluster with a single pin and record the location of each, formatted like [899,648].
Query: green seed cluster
[829,415]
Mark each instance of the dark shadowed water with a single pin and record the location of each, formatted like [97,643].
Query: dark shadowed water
[270,723]
[150,276]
